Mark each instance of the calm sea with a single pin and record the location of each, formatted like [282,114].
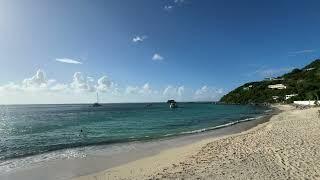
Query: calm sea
[27,130]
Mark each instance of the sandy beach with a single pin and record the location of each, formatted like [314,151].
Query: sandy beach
[285,147]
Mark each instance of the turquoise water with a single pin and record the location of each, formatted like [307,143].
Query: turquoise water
[33,129]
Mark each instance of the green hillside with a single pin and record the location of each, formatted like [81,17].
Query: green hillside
[305,83]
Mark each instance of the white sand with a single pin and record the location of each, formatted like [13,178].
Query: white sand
[288,146]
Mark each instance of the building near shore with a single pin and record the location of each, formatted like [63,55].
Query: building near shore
[309,69]
[277,86]
[247,88]
[306,103]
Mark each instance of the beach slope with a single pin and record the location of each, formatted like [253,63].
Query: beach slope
[287,146]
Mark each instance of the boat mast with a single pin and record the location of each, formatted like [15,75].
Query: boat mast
[97,97]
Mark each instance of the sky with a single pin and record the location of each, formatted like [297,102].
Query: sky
[61,51]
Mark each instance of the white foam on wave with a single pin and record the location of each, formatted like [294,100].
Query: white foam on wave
[220,126]
[14,164]
[168,135]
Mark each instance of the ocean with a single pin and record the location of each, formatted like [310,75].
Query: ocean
[28,131]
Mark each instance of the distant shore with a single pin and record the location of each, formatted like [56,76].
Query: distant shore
[285,147]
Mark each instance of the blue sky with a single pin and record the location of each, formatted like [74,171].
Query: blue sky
[148,50]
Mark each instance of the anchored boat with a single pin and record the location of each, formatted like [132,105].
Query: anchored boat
[96,104]
[172,103]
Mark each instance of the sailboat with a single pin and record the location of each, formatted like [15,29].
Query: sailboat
[96,104]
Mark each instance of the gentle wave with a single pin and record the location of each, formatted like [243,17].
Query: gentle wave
[9,165]
[214,127]
[220,126]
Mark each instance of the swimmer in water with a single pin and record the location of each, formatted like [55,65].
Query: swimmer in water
[81,133]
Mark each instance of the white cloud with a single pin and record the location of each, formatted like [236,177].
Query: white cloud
[69,61]
[81,89]
[142,93]
[81,83]
[143,90]
[178,1]
[59,87]
[38,80]
[175,4]
[206,93]
[157,57]
[180,90]
[146,89]
[270,72]
[36,83]
[104,84]
[10,87]
[167,90]
[132,90]
[139,38]
[168,7]
[303,51]
[173,92]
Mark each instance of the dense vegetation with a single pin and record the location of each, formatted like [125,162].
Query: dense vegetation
[304,82]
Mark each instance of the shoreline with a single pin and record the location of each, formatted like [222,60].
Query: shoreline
[103,158]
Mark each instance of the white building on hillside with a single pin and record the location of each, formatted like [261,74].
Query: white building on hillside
[277,86]
[309,69]
[247,88]
[305,103]
[275,97]
[288,96]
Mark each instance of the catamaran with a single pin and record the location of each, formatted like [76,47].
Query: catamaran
[96,104]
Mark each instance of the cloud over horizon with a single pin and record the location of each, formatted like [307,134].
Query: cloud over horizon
[173,92]
[81,89]
[38,80]
[81,83]
[206,93]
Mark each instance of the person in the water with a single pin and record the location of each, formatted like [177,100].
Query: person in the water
[82,133]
